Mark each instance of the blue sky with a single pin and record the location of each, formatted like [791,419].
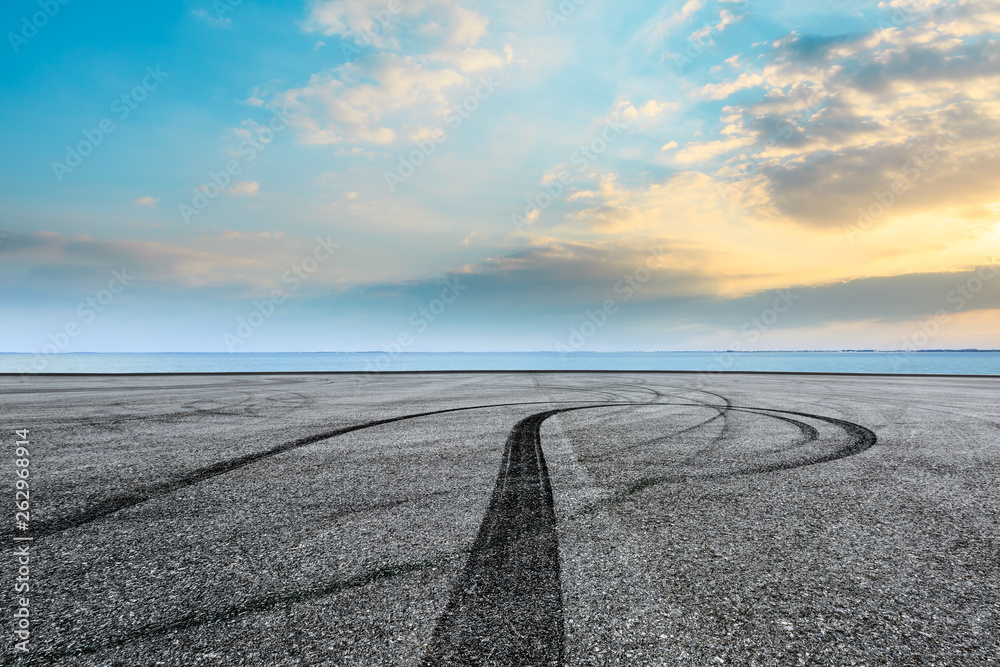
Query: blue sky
[685,164]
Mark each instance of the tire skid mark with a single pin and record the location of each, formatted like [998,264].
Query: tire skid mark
[607,395]
[500,532]
[726,423]
[659,439]
[722,412]
[861,439]
[506,607]
[104,508]
[809,432]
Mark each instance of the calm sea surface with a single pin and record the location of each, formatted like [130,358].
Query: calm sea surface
[962,363]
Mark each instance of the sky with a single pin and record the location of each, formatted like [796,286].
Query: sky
[450,175]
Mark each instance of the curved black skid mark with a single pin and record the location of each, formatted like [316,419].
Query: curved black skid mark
[863,439]
[130,499]
[809,433]
[506,607]
[721,412]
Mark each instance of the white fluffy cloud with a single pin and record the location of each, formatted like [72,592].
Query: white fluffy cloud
[404,59]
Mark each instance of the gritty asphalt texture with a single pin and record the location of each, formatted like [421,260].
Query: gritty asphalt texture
[508,519]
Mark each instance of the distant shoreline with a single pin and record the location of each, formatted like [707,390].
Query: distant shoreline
[976,363]
[579,352]
[505,372]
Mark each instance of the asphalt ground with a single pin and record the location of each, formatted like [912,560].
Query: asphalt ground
[506,518]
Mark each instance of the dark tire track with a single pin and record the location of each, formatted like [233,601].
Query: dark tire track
[721,413]
[135,497]
[500,533]
[506,607]
[809,433]
[861,439]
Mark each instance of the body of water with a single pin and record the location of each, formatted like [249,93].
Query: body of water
[944,362]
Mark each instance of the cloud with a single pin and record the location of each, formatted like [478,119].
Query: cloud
[839,119]
[343,17]
[747,251]
[720,91]
[233,260]
[678,18]
[882,300]
[244,189]
[463,27]
[469,59]
[551,273]
[146,201]
[354,102]
[418,26]
[698,152]
[704,34]
[551,284]
[408,64]
[627,112]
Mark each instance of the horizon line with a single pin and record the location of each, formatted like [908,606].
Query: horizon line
[715,351]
